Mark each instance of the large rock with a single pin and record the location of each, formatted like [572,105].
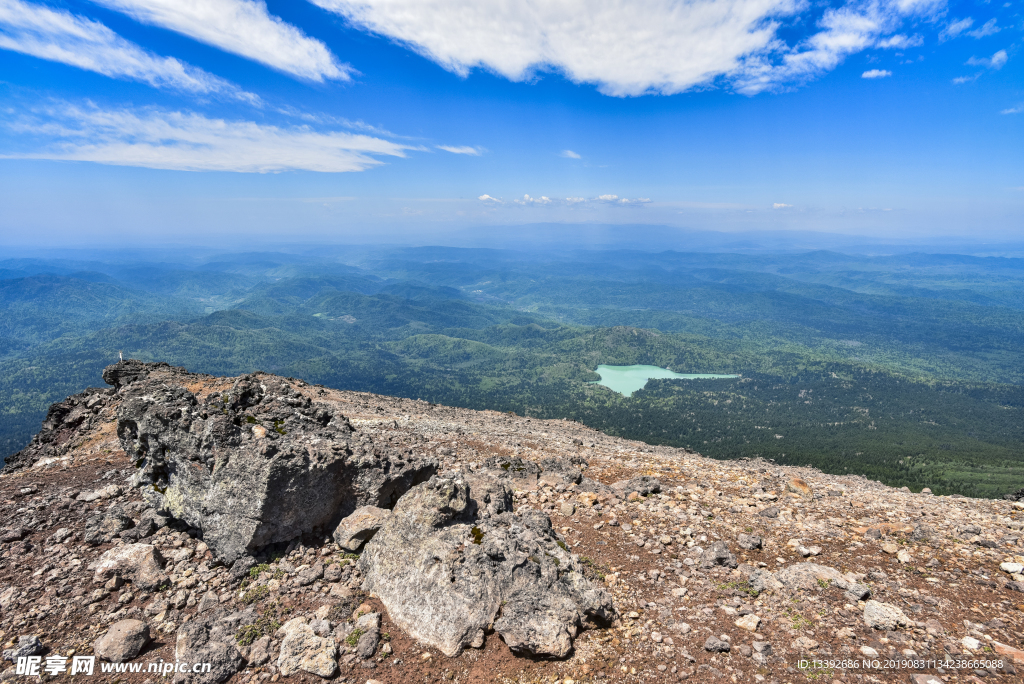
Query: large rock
[808,576]
[445,574]
[642,485]
[124,641]
[878,615]
[718,554]
[356,529]
[64,422]
[302,650]
[210,638]
[140,564]
[258,464]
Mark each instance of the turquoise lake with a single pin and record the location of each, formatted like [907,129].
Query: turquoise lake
[628,379]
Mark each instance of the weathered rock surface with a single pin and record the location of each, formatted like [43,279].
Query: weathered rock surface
[878,615]
[140,564]
[123,641]
[960,592]
[444,574]
[302,650]
[254,465]
[210,638]
[359,527]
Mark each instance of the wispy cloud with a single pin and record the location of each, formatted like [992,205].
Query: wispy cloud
[473,151]
[59,36]
[242,27]
[876,73]
[996,61]
[959,28]
[960,80]
[780,205]
[955,28]
[685,44]
[543,200]
[569,154]
[901,42]
[1014,110]
[160,139]
[987,29]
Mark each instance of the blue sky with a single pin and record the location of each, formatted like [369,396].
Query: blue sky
[228,120]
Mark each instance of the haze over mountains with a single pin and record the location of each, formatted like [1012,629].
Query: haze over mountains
[898,364]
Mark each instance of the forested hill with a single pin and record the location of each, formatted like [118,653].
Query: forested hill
[905,369]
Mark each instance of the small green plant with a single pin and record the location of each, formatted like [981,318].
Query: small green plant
[562,545]
[478,535]
[257,593]
[748,529]
[353,638]
[350,556]
[255,570]
[798,620]
[279,574]
[250,420]
[279,427]
[824,583]
[742,586]
[266,624]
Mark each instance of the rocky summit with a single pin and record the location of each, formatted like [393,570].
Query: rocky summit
[274,530]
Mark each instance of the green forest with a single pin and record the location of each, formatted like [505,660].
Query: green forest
[905,369]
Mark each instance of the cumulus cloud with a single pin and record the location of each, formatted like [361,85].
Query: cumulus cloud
[161,139]
[488,198]
[59,36]
[996,61]
[569,154]
[876,73]
[473,151]
[780,205]
[242,27]
[634,47]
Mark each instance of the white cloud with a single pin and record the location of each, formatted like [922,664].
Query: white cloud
[533,200]
[59,36]
[958,28]
[635,47]
[242,27]
[780,205]
[876,73]
[955,28]
[160,139]
[528,200]
[988,29]
[996,61]
[1014,110]
[569,154]
[960,80]
[474,151]
[901,42]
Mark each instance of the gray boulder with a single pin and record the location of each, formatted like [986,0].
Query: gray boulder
[885,616]
[810,576]
[445,574]
[210,638]
[522,474]
[124,641]
[28,645]
[357,528]
[717,554]
[259,464]
[140,564]
[749,541]
[642,485]
[302,650]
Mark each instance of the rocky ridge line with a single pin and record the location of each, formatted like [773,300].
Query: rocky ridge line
[711,569]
